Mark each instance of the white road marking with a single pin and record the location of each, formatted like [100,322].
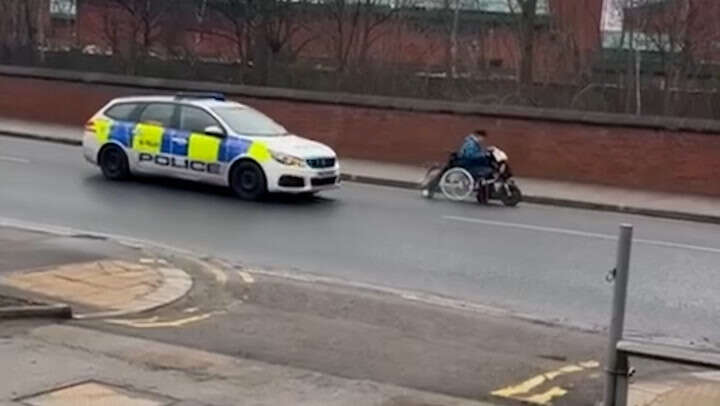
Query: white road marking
[579,233]
[14,159]
[246,277]
[160,324]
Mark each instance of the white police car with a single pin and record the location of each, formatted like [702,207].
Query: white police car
[205,138]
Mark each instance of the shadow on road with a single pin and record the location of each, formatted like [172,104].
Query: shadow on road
[98,183]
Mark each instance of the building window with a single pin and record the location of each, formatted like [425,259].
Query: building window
[63,9]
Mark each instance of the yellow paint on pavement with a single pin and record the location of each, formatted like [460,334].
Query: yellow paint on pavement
[562,371]
[546,397]
[589,364]
[523,391]
[246,277]
[524,387]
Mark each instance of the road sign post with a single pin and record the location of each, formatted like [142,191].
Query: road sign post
[616,369]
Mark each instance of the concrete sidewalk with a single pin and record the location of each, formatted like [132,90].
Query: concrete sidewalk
[539,191]
[68,366]
[97,278]
[694,389]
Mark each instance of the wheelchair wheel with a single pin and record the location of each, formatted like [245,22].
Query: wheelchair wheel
[457,184]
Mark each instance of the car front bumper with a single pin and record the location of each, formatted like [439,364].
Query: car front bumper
[286,179]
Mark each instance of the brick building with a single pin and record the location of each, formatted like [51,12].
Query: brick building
[417,38]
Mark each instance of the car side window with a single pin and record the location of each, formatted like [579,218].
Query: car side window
[160,114]
[196,120]
[122,111]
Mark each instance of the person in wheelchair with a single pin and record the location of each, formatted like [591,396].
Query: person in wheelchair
[474,156]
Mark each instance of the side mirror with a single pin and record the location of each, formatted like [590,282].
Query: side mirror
[214,130]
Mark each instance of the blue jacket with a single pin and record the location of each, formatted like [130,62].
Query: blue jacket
[472,150]
[474,157]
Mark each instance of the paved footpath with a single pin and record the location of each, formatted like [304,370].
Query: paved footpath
[68,366]
[98,278]
[701,388]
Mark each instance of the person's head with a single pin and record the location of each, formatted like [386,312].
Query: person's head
[479,136]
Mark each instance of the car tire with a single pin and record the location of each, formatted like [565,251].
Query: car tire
[248,181]
[114,163]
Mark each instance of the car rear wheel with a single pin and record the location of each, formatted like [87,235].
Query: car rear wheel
[114,163]
[248,181]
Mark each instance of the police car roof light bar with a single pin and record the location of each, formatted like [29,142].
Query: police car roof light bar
[200,95]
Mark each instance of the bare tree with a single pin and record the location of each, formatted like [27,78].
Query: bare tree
[261,30]
[20,27]
[230,20]
[146,19]
[676,32]
[526,14]
[356,28]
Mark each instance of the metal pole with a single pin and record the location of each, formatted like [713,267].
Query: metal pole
[621,379]
[616,365]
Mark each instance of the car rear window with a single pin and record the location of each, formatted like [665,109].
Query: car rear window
[122,111]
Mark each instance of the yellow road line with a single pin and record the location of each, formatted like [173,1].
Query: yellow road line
[545,398]
[524,387]
[589,364]
[562,371]
[528,385]
[246,277]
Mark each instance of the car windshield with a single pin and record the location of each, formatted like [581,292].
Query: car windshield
[246,121]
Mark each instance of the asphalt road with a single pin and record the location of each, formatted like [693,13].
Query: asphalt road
[548,262]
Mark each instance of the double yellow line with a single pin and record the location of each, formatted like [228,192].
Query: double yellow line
[523,390]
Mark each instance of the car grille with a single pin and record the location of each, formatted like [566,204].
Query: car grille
[291,181]
[318,163]
[324,181]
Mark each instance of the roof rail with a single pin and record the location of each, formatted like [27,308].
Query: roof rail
[200,95]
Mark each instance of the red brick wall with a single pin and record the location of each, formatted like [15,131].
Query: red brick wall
[642,158]
[575,36]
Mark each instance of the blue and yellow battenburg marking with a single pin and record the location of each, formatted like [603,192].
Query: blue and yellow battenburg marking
[155,140]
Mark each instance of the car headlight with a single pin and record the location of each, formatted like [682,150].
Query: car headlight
[288,160]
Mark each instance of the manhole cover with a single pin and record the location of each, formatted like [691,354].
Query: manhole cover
[95,394]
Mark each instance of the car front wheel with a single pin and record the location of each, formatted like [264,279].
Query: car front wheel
[248,181]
